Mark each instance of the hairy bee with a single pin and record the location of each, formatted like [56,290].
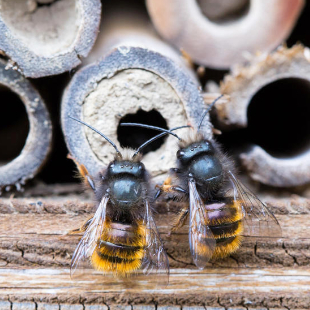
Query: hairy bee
[122,236]
[218,217]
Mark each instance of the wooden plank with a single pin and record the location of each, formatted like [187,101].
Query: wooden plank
[60,224]
[33,232]
[205,285]
[42,239]
[35,254]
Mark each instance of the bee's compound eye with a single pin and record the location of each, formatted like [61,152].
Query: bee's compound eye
[180,154]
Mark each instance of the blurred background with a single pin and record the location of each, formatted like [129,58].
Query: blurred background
[277,116]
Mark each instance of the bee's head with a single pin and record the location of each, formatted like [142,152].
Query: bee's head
[202,162]
[129,167]
[188,152]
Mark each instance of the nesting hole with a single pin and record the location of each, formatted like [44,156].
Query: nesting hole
[41,3]
[14,125]
[133,137]
[278,117]
[44,28]
[222,11]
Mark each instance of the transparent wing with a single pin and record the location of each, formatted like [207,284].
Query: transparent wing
[258,219]
[88,243]
[155,258]
[201,240]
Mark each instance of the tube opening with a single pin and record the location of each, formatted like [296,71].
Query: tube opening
[45,27]
[133,137]
[223,11]
[14,125]
[278,117]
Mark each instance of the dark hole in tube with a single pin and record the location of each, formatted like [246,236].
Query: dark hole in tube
[14,125]
[46,3]
[223,11]
[278,117]
[278,120]
[133,137]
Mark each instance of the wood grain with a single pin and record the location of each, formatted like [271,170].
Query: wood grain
[35,254]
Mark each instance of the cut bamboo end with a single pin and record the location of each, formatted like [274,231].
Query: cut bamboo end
[140,79]
[128,82]
[48,37]
[271,98]
[219,45]
[38,143]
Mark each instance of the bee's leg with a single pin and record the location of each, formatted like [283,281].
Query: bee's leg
[177,189]
[180,220]
[83,173]
[162,188]
[82,228]
[167,187]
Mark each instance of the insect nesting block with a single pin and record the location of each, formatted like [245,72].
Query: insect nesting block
[126,81]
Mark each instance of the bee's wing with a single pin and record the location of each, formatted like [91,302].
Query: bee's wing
[258,219]
[88,242]
[201,240]
[155,257]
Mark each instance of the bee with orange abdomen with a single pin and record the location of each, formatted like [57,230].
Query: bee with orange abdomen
[218,218]
[122,236]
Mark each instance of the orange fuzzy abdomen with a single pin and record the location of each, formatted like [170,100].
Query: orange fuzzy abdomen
[225,222]
[120,249]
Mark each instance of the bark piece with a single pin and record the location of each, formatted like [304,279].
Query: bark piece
[38,143]
[48,39]
[220,45]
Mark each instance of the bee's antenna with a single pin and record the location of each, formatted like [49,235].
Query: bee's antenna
[208,110]
[101,134]
[151,127]
[166,132]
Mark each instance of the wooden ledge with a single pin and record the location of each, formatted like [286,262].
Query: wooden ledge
[35,254]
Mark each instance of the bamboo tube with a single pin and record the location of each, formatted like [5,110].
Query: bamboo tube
[138,75]
[221,44]
[48,37]
[31,159]
[271,99]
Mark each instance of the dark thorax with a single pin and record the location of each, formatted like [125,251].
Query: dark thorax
[200,161]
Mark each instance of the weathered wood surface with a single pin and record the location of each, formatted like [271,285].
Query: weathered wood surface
[186,287]
[35,254]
